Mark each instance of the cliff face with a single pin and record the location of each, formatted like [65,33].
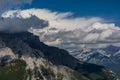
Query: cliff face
[24,57]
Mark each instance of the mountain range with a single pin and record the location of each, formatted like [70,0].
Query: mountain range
[24,57]
[108,56]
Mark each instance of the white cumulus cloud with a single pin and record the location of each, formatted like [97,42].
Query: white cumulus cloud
[70,33]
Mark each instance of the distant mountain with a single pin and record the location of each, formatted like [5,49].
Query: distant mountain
[109,57]
[24,57]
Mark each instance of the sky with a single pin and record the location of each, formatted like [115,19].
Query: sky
[68,24]
[108,9]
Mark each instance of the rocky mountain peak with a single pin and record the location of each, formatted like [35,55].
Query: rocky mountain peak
[27,54]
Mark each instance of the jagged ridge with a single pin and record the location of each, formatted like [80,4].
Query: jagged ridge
[44,62]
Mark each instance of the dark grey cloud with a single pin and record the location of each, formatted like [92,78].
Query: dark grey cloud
[19,24]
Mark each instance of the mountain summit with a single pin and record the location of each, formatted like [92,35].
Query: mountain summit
[24,57]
